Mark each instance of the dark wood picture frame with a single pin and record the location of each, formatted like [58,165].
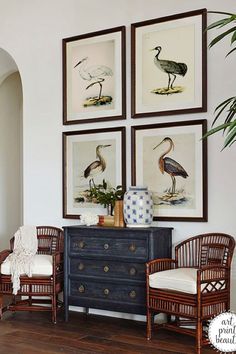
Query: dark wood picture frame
[99,60]
[80,149]
[146,99]
[149,168]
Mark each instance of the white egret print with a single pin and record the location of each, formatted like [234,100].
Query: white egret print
[172,69]
[96,75]
[93,76]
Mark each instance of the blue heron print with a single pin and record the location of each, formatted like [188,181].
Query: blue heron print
[170,166]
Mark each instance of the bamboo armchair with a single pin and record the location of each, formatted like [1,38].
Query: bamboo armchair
[50,242]
[206,257]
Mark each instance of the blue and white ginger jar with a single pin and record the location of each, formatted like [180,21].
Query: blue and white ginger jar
[138,207]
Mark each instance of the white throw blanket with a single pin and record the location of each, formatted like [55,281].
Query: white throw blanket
[21,259]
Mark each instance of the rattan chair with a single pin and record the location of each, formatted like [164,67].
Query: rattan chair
[44,283]
[192,288]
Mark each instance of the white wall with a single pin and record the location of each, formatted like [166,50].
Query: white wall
[10,157]
[31,31]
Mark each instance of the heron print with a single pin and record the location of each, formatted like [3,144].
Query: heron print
[174,169]
[96,167]
[171,69]
[94,161]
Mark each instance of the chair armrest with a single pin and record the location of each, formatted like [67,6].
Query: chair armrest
[212,273]
[158,265]
[57,261]
[3,255]
[215,277]
[57,257]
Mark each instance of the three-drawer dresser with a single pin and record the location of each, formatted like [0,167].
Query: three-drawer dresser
[105,266]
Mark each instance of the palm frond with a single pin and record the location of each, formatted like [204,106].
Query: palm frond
[230,137]
[219,23]
[232,142]
[233,39]
[221,13]
[223,106]
[216,129]
[231,51]
[233,125]
[221,36]
[227,108]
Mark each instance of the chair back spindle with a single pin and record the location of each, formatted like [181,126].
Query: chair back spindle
[203,250]
[50,240]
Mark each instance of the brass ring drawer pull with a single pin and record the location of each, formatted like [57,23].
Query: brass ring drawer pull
[81,288]
[106,269]
[132,271]
[132,294]
[106,291]
[81,266]
[106,246]
[132,247]
[81,244]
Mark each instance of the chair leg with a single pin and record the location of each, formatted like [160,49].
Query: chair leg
[1,306]
[54,309]
[199,336]
[30,297]
[149,324]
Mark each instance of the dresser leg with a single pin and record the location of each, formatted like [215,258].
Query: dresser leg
[86,310]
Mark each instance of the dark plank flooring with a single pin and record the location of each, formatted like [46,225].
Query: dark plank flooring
[33,333]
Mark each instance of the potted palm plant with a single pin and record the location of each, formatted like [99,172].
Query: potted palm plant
[227,108]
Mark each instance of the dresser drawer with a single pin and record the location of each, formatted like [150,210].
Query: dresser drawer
[106,268]
[114,248]
[110,292]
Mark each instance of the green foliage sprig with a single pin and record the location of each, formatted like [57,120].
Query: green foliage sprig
[106,195]
[228,107]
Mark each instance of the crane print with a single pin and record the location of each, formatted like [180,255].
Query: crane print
[172,69]
[96,74]
[170,166]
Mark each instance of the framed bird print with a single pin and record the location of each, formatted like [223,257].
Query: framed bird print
[171,159]
[91,158]
[169,65]
[94,76]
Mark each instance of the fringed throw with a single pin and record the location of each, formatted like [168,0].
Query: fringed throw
[21,259]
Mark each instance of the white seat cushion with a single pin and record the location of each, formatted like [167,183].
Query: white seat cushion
[181,279]
[42,266]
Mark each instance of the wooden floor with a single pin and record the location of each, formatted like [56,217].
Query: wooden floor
[33,333]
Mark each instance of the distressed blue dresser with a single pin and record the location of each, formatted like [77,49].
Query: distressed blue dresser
[105,266]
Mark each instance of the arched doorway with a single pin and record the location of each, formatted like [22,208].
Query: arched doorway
[11,183]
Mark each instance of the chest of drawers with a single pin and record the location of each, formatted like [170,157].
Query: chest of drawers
[105,267]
